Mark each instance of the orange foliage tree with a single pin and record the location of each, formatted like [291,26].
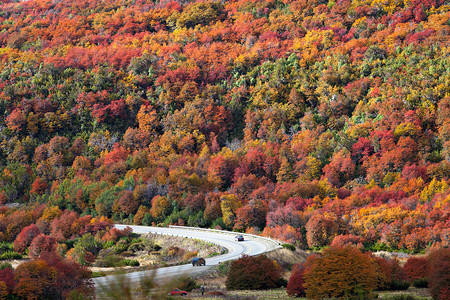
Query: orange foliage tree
[340,272]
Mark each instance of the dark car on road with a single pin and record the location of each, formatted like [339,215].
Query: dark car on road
[239,238]
[198,261]
[177,292]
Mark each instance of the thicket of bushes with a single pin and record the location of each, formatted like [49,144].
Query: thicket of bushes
[346,272]
[253,273]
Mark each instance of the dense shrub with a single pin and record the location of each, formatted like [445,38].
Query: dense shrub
[383,272]
[79,255]
[108,260]
[7,276]
[391,276]
[340,272]
[401,297]
[186,283]
[416,268]
[253,273]
[57,278]
[5,265]
[25,237]
[129,262]
[28,287]
[347,239]
[41,243]
[70,276]
[288,246]
[121,246]
[296,283]
[420,283]
[439,276]
[10,255]
[4,246]
[398,285]
[89,243]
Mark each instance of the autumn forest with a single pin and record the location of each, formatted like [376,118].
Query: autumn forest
[315,122]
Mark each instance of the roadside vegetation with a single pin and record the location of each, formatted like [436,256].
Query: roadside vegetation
[356,276]
[152,251]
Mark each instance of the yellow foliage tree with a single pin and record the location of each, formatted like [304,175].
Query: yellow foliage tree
[229,204]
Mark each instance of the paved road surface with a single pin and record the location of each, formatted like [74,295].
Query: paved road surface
[252,245]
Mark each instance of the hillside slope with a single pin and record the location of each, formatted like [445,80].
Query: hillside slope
[310,120]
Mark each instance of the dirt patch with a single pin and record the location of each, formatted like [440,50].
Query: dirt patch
[15,262]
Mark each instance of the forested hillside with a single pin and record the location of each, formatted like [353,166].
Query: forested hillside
[312,121]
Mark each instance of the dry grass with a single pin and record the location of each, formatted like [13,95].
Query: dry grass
[287,258]
[418,293]
[212,293]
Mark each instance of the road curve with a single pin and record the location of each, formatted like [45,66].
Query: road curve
[253,245]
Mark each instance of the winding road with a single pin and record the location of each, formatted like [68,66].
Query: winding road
[253,245]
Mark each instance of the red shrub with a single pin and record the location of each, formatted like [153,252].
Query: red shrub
[439,275]
[416,268]
[7,276]
[285,233]
[61,227]
[34,279]
[254,273]
[25,237]
[295,286]
[347,239]
[115,234]
[70,276]
[42,243]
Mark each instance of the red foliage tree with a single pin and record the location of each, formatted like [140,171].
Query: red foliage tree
[340,170]
[97,224]
[42,243]
[16,221]
[295,286]
[25,237]
[61,227]
[416,268]
[7,276]
[126,203]
[389,272]
[212,209]
[115,234]
[70,276]
[253,272]
[252,214]
[439,276]
[39,186]
[320,230]
[347,239]
[34,279]
[290,214]
[118,153]
[222,169]
[285,233]
[16,120]
[194,203]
